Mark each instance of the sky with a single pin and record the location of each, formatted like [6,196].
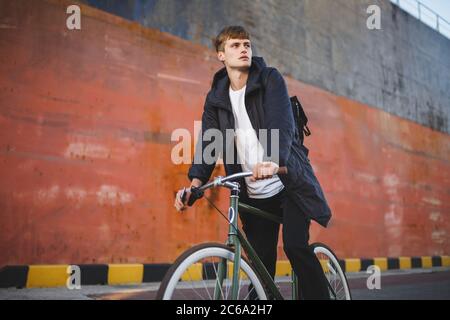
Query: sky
[441,7]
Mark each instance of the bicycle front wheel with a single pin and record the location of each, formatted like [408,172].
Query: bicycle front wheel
[205,272]
[337,281]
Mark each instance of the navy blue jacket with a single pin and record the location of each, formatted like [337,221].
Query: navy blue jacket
[268,107]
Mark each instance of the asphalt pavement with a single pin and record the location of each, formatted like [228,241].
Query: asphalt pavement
[414,284]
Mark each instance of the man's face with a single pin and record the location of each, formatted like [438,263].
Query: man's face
[237,53]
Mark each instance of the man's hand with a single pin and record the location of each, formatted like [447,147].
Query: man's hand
[181,205]
[264,170]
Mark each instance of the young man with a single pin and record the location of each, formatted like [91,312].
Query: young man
[248,96]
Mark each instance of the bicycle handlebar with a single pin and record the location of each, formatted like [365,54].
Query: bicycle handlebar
[221,180]
[197,193]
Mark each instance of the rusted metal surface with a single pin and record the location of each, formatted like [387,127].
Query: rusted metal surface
[85,142]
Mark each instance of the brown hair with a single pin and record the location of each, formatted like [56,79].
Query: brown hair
[231,32]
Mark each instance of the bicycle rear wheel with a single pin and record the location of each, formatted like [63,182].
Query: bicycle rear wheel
[194,275]
[338,284]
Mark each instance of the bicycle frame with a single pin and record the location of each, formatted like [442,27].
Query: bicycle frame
[230,263]
[237,240]
[253,257]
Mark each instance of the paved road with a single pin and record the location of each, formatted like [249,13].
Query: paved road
[405,286]
[412,284]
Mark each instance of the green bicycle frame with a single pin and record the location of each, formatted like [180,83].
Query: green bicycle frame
[237,240]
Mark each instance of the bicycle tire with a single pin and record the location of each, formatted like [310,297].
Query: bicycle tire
[322,249]
[173,280]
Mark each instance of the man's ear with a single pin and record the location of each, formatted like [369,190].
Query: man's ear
[221,56]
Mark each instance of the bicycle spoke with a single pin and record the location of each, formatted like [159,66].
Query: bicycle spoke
[226,285]
[192,285]
[247,297]
[184,296]
[216,271]
[239,286]
[207,291]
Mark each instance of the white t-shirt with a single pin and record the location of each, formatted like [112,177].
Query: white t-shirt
[250,150]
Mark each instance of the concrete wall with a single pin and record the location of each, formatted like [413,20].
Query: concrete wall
[403,69]
[85,151]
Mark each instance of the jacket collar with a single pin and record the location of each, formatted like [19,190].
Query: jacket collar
[219,93]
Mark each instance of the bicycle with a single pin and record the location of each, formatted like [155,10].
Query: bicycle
[218,271]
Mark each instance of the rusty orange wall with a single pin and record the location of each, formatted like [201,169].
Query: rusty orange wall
[86,177]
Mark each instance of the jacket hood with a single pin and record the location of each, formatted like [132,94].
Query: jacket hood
[218,95]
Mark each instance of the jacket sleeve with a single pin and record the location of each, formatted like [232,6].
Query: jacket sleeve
[278,115]
[200,169]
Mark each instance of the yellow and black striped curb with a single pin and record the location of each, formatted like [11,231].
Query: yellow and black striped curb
[357,265]
[39,276]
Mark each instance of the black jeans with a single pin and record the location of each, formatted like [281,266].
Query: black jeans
[263,236]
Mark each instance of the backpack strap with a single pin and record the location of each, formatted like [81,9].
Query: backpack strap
[299,114]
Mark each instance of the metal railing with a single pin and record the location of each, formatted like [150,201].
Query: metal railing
[425,15]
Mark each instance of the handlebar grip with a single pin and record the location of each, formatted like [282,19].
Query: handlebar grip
[282,170]
[183,195]
[196,194]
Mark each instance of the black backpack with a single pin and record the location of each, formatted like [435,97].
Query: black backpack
[300,118]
